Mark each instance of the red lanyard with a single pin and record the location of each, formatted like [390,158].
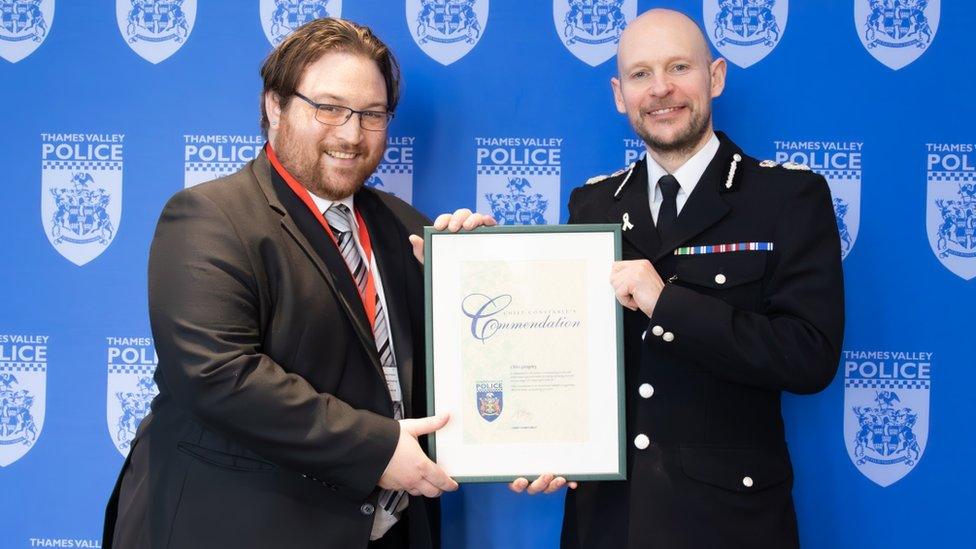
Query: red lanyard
[369,295]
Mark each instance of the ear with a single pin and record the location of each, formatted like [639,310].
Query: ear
[272,105]
[618,97]
[718,70]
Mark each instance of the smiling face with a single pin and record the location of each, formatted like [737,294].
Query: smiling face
[331,161]
[666,82]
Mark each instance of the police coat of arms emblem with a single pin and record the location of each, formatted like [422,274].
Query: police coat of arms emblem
[280,17]
[22,391]
[131,391]
[845,187]
[24,24]
[840,213]
[516,206]
[745,31]
[490,404]
[447,29]
[80,221]
[590,29]
[155,29]
[886,425]
[896,32]
[951,220]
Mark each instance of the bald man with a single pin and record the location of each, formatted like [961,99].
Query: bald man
[733,293]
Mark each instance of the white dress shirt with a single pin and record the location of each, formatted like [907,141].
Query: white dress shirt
[687,175]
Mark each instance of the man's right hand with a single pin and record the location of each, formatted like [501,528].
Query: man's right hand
[409,468]
[460,219]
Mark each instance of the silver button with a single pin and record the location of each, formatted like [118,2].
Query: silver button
[641,441]
[747,482]
[643,335]
[367,509]
[720,278]
[668,336]
[645,390]
[657,330]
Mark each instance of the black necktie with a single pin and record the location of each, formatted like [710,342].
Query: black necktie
[668,214]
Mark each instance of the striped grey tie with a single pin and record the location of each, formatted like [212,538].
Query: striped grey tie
[339,219]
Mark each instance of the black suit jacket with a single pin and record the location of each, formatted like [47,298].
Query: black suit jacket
[729,333]
[273,422]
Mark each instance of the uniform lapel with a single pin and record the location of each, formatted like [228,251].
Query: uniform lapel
[633,202]
[388,246]
[306,231]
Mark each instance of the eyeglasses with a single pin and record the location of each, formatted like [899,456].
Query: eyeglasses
[337,115]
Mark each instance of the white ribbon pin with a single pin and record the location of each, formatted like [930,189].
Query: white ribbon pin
[627,223]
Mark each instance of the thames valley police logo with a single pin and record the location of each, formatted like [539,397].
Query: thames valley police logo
[518,179]
[951,207]
[590,29]
[896,32]
[23,378]
[745,31]
[24,24]
[447,29]
[886,401]
[840,164]
[81,193]
[490,398]
[155,29]
[131,363]
[280,17]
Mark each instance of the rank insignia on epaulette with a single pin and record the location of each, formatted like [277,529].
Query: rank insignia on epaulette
[599,178]
[796,166]
[768,164]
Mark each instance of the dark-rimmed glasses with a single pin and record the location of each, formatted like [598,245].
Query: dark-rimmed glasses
[337,115]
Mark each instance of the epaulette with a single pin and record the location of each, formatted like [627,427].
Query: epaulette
[599,178]
[796,166]
[785,165]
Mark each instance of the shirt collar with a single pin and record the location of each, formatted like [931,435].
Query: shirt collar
[688,174]
[324,204]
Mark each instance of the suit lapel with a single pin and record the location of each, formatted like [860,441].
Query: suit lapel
[388,246]
[306,231]
[633,202]
[705,207]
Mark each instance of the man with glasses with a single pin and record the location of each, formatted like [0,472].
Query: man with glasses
[286,306]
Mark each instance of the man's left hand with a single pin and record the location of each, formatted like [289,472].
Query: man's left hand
[545,484]
[460,219]
[637,285]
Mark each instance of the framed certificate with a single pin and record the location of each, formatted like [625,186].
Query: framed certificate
[525,351]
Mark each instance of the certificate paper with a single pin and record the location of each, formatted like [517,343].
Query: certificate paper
[524,352]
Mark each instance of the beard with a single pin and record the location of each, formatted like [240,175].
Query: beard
[308,163]
[685,141]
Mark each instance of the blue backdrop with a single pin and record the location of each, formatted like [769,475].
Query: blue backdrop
[108,108]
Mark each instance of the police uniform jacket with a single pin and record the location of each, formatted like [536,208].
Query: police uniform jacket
[707,459]
[273,421]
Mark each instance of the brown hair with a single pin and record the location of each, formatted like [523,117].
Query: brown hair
[283,68]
